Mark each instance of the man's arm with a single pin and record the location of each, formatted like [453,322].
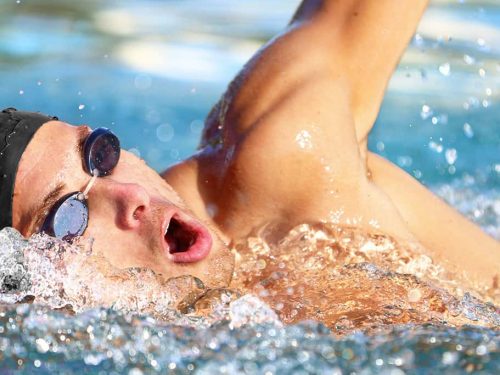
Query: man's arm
[441,229]
[369,36]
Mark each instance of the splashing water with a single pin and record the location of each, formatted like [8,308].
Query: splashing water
[368,294]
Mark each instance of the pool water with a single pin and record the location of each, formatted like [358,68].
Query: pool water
[151,71]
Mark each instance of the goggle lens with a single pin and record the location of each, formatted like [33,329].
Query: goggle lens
[101,151]
[69,217]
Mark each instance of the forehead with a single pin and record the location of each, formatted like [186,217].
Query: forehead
[49,159]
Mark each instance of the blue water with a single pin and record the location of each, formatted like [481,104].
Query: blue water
[78,62]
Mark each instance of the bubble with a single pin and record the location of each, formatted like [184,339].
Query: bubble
[481,42]
[445,69]
[303,139]
[380,146]
[449,358]
[481,72]
[469,133]
[37,363]
[426,112]
[469,60]
[418,40]
[81,107]
[21,92]
[451,155]
[481,350]
[42,346]
[404,161]
[165,132]
[437,147]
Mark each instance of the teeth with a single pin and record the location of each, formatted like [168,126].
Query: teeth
[166,229]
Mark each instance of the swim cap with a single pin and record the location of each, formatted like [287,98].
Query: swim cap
[16,130]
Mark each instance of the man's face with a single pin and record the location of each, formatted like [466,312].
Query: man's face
[129,211]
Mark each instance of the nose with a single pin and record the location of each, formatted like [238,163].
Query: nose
[132,203]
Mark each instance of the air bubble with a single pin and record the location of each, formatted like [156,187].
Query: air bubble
[469,133]
[437,147]
[451,156]
[165,132]
[445,69]
[426,112]
[469,60]
[81,107]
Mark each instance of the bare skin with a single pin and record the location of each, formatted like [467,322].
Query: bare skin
[286,144]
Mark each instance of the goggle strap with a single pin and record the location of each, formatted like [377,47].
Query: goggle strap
[95,174]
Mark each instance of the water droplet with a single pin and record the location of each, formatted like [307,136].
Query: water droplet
[165,132]
[21,92]
[449,358]
[445,69]
[469,60]
[303,139]
[451,155]
[418,40]
[380,146]
[18,1]
[42,346]
[437,147]
[469,133]
[39,83]
[81,106]
[426,112]
[481,42]
[482,72]
[485,103]
[481,350]
[488,91]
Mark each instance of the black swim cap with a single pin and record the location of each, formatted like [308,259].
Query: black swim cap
[16,130]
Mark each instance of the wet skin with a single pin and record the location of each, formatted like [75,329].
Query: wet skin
[286,144]
[129,210]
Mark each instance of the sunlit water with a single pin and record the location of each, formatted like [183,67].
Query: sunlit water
[151,72]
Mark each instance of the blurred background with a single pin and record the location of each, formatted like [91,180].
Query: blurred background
[151,70]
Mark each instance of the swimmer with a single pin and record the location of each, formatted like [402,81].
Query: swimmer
[286,144]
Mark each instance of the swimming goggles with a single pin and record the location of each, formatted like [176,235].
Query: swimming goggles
[69,216]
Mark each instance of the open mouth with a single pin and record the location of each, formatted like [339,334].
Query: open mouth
[179,237]
[187,240]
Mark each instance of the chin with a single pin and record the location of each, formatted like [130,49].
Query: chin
[219,271]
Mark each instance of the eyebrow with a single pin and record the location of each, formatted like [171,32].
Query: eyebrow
[53,196]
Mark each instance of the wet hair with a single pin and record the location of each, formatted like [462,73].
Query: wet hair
[16,131]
